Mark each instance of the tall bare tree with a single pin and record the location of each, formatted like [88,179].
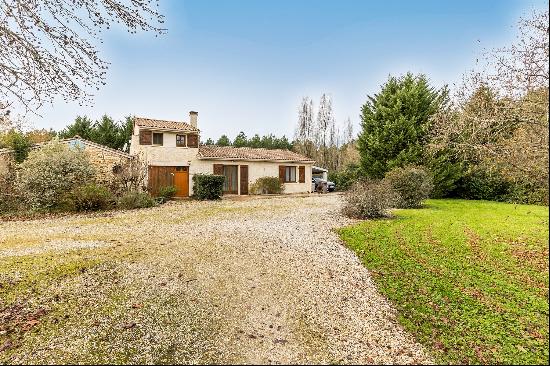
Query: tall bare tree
[48,47]
[329,144]
[325,121]
[305,129]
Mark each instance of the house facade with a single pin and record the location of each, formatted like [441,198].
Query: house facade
[174,155]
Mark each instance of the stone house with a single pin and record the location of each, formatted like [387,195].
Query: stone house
[106,161]
[173,156]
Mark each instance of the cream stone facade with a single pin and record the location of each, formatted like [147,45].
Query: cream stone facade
[167,154]
[256,169]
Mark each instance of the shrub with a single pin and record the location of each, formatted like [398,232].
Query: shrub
[482,183]
[167,193]
[369,200]
[413,184]
[344,178]
[129,175]
[92,197]
[446,171]
[50,172]
[208,186]
[267,185]
[521,192]
[135,199]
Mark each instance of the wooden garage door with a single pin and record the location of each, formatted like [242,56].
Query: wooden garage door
[163,176]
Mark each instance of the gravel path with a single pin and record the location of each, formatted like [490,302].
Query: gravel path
[253,281]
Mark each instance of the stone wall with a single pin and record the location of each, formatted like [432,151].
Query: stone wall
[105,162]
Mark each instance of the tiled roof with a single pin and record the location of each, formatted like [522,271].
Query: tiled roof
[95,144]
[249,153]
[168,125]
[85,142]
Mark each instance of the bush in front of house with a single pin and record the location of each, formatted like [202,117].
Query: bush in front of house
[135,199]
[50,172]
[208,186]
[413,184]
[167,193]
[92,197]
[267,185]
[369,200]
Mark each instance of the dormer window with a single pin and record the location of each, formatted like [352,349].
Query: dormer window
[157,138]
[181,141]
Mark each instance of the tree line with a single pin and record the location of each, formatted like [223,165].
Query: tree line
[241,140]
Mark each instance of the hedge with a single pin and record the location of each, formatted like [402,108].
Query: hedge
[208,186]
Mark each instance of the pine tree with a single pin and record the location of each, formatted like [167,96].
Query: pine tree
[223,141]
[241,140]
[82,127]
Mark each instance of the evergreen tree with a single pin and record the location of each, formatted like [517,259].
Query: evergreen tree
[82,127]
[395,124]
[126,130]
[107,132]
[255,141]
[241,140]
[223,141]
[209,142]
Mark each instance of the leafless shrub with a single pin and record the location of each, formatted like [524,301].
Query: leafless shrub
[129,176]
[413,184]
[369,200]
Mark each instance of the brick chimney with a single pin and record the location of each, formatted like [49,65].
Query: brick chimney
[193,118]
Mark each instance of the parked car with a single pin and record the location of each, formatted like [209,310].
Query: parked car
[330,185]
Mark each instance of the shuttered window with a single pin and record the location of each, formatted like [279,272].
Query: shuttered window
[290,174]
[192,140]
[145,137]
[157,138]
[302,174]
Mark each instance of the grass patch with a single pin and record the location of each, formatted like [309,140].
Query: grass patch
[469,278]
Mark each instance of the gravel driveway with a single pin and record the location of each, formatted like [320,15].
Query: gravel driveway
[251,281]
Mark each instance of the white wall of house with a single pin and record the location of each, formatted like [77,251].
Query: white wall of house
[256,169]
[166,155]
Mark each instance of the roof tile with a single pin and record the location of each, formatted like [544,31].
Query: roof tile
[169,125]
[248,153]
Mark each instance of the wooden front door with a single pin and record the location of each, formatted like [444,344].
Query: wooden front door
[181,181]
[244,179]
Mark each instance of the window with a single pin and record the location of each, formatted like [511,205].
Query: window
[290,174]
[157,138]
[181,169]
[180,141]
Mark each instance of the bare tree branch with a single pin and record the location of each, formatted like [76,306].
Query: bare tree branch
[47,47]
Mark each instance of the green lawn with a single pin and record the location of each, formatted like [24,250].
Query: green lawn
[469,278]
